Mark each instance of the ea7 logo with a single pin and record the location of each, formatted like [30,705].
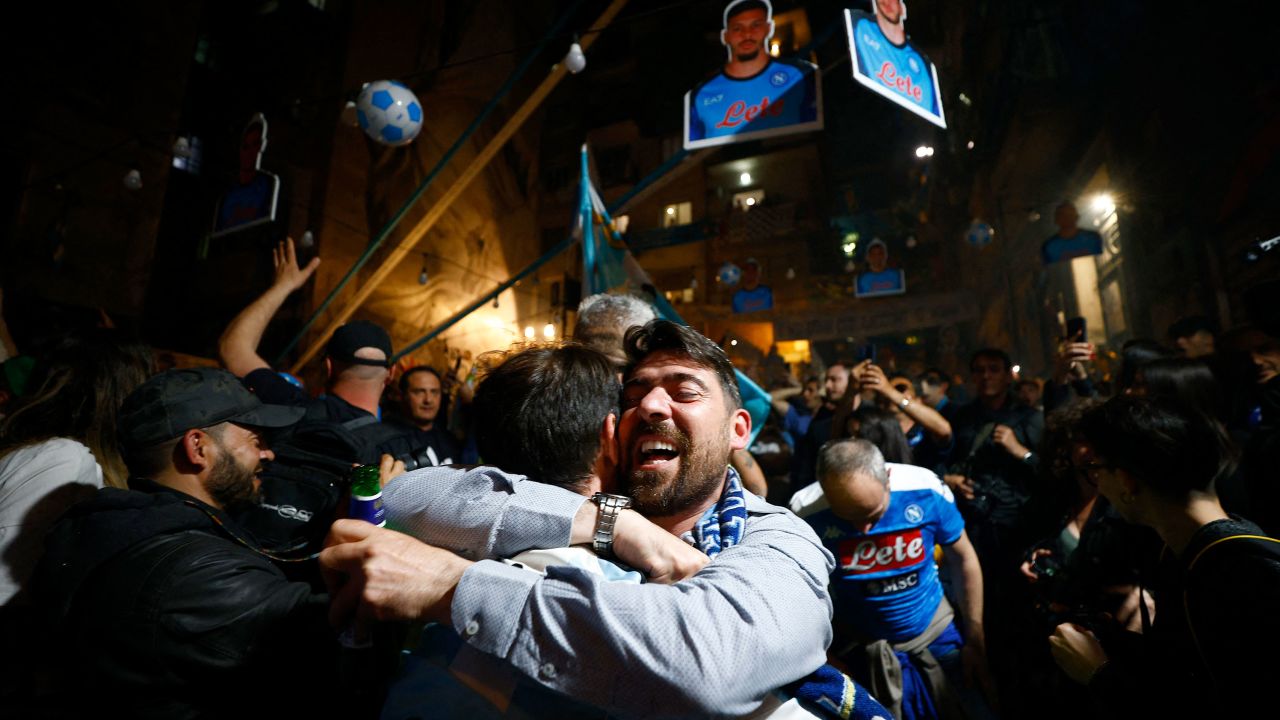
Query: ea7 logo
[832,533]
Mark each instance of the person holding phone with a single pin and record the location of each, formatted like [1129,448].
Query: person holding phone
[1070,372]
[927,432]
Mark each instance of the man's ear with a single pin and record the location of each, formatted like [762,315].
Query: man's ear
[609,439]
[739,429]
[328,368]
[195,447]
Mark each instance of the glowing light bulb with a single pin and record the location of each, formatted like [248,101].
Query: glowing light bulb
[549,331]
[528,332]
[745,178]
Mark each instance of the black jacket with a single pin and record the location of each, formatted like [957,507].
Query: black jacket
[1002,482]
[163,608]
[1211,651]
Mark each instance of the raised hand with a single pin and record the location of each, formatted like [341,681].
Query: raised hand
[288,274]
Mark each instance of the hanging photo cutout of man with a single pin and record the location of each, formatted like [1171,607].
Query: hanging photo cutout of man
[879,280]
[752,296]
[1071,241]
[252,199]
[885,60]
[754,95]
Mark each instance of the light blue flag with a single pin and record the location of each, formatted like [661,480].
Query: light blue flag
[608,266]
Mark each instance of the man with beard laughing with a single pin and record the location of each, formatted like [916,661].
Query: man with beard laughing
[756,618]
[164,606]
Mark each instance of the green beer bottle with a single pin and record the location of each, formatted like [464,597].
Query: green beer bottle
[366,495]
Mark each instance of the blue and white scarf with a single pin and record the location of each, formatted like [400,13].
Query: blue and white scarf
[826,691]
[723,524]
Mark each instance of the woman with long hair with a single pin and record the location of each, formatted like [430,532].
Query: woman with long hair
[880,428]
[59,443]
[1133,356]
[1187,381]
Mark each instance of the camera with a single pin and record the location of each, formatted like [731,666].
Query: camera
[1046,565]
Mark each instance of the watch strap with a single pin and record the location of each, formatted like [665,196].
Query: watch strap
[610,506]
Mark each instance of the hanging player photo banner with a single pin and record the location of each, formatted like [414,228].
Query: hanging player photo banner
[1071,241]
[885,61]
[878,279]
[251,199]
[755,95]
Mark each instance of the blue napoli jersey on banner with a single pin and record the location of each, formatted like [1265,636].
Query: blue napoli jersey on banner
[886,581]
[1082,244]
[901,73]
[782,96]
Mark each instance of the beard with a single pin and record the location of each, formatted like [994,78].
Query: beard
[231,484]
[749,56]
[700,474]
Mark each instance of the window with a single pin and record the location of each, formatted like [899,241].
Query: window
[677,214]
[746,200]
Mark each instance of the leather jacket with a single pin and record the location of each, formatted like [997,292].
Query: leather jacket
[164,608]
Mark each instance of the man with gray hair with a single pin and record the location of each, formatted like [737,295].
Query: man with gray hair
[881,521]
[604,318]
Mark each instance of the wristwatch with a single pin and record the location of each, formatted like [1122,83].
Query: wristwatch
[904,402]
[610,506]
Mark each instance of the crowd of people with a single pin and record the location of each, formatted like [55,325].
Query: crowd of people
[607,539]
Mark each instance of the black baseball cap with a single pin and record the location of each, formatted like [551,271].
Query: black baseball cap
[175,401]
[356,335]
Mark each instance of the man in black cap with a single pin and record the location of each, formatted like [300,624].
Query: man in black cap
[164,606]
[356,360]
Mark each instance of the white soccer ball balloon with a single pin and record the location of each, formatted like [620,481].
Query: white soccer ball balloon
[729,274]
[980,234]
[389,112]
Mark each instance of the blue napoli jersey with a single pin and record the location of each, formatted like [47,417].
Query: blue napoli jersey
[886,581]
[784,93]
[903,70]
